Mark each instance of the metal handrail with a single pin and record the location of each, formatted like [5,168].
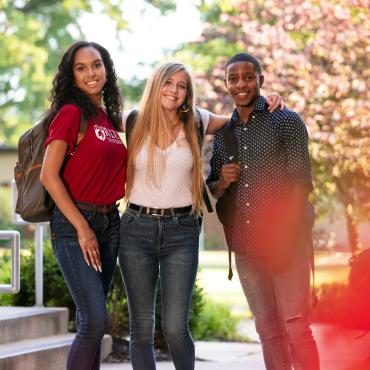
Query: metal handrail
[14,285]
[39,249]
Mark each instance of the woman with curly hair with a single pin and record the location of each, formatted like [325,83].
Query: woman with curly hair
[85,181]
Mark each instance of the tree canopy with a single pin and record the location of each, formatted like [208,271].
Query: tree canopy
[33,36]
[315,54]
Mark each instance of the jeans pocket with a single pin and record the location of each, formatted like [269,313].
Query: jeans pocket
[128,218]
[188,222]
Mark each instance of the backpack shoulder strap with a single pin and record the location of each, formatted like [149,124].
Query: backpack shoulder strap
[200,128]
[231,145]
[81,133]
[130,121]
[206,198]
[82,129]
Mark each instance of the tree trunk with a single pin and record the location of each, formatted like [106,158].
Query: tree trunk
[353,235]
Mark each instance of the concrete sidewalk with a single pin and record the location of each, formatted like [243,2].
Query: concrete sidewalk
[215,356]
[340,349]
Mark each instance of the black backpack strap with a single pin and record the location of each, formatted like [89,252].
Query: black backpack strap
[231,148]
[130,121]
[206,199]
[230,273]
[200,128]
[231,145]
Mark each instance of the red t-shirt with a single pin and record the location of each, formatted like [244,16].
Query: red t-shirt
[96,173]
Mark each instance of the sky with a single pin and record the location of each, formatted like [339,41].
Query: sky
[149,35]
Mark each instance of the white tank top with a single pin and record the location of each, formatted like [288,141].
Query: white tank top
[174,188]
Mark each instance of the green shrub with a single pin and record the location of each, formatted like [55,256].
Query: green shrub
[5,265]
[5,276]
[198,303]
[216,323]
[118,322]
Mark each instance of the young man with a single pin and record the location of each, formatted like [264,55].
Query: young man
[264,187]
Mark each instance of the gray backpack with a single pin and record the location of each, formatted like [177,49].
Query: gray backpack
[33,201]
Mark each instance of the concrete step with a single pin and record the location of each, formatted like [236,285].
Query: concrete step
[20,323]
[44,353]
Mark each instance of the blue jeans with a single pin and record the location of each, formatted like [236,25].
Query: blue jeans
[165,246]
[280,305]
[88,287]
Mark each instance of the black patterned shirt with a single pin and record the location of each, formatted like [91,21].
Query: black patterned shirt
[273,155]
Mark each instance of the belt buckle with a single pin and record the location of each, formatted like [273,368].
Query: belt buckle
[157,211]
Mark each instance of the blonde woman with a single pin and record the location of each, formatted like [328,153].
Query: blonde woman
[160,228]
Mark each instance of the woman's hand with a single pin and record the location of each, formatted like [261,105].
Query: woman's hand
[274,101]
[90,248]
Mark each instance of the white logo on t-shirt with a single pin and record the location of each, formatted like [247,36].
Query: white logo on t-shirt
[104,133]
[100,134]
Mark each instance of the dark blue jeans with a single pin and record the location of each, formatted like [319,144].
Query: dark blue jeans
[88,287]
[167,246]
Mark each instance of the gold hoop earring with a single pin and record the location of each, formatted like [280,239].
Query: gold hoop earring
[184,108]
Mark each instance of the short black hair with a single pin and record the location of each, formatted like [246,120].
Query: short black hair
[244,57]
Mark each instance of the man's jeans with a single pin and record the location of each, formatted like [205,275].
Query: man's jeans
[280,306]
[87,286]
[165,246]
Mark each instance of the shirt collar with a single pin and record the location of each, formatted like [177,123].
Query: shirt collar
[259,106]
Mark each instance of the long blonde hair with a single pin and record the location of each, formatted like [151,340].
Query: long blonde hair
[151,122]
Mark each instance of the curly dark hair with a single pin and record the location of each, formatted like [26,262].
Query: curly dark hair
[64,90]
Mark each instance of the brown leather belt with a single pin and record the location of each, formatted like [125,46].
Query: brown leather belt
[159,211]
[97,209]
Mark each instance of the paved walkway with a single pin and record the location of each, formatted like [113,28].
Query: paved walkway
[340,349]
